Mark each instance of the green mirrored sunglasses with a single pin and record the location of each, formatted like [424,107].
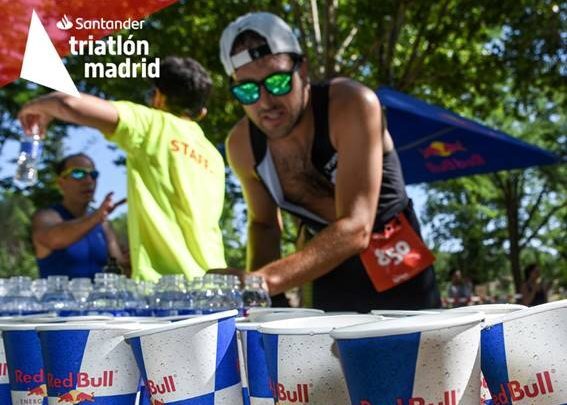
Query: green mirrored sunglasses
[277,84]
[80,173]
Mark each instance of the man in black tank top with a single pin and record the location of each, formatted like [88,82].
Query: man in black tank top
[321,153]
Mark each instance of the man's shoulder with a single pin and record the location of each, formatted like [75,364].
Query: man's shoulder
[345,91]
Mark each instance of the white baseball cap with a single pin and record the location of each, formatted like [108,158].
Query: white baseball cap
[278,35]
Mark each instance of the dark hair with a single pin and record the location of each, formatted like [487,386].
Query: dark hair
[245,40]
[186,85]
[529,269]
[62,164]
[249,39]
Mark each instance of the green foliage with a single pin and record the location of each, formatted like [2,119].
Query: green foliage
[16,256]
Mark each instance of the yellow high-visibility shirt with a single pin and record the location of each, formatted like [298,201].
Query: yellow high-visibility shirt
[176,181]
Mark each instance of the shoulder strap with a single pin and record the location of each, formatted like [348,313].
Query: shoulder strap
[258,142]
[322,150]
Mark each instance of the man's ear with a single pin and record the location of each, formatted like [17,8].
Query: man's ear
[160,100]
[202,114]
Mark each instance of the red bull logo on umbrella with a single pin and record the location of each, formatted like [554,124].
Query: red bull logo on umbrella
[75,397]
[446,151]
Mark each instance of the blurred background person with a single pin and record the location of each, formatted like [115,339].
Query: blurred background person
[70,238]
[534,290]
[460,289]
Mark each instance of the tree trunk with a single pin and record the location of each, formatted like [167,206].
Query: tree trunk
[511,200]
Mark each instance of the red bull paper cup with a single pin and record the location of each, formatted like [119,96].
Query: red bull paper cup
[302,366]
[89,362]
[421,360]
[25,364]
[491,312]
[524,356]
[253,368]
[255,313]
[190,362]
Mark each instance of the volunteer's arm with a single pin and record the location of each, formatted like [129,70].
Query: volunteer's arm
[85,110]
[356,124]
[50,231]
[264,224]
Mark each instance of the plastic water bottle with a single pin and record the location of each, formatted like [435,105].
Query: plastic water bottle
[105,298]
[81,288]
[215,295]
[254,295]
[171,298]
[20,299]
[234,294]
[28,160]
[57,298]
[39,287]
[4,292]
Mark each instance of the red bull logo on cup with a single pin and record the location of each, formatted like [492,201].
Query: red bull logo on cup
[161,387]
[156,402]
[299,395]
[516,391]
[81,380]
[3,369]
[75,397]
[39,391]
[25,378]
[449,398]
[446,150]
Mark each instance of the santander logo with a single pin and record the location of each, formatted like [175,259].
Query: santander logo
[65,23]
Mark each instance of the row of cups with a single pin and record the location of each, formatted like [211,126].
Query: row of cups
[285,357]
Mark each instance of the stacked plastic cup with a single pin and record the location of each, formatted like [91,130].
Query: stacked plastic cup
[430,359]
[190,361]
[524,356]
[302,365]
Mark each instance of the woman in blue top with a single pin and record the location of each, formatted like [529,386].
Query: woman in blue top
[69,238]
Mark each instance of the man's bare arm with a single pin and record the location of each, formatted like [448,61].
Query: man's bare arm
[356,125]
[264,225]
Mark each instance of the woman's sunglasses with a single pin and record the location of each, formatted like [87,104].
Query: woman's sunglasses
[277,84]
[78,173]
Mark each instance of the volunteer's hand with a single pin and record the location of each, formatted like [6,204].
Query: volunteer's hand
[35,114]
[107,207]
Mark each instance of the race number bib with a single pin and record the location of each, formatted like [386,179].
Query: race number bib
[395,255]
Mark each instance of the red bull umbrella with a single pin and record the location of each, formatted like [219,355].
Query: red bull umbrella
[436,144]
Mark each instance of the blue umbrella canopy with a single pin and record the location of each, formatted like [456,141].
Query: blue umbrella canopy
[436,144]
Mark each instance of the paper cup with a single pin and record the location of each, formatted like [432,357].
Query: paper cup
[89,362]
[254,313]
[190,361]
[430,359]
[253,367]
[491,312]
[25,364]
[524,356]
[5,397]
[401,313]
[301,362]
[63,319]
